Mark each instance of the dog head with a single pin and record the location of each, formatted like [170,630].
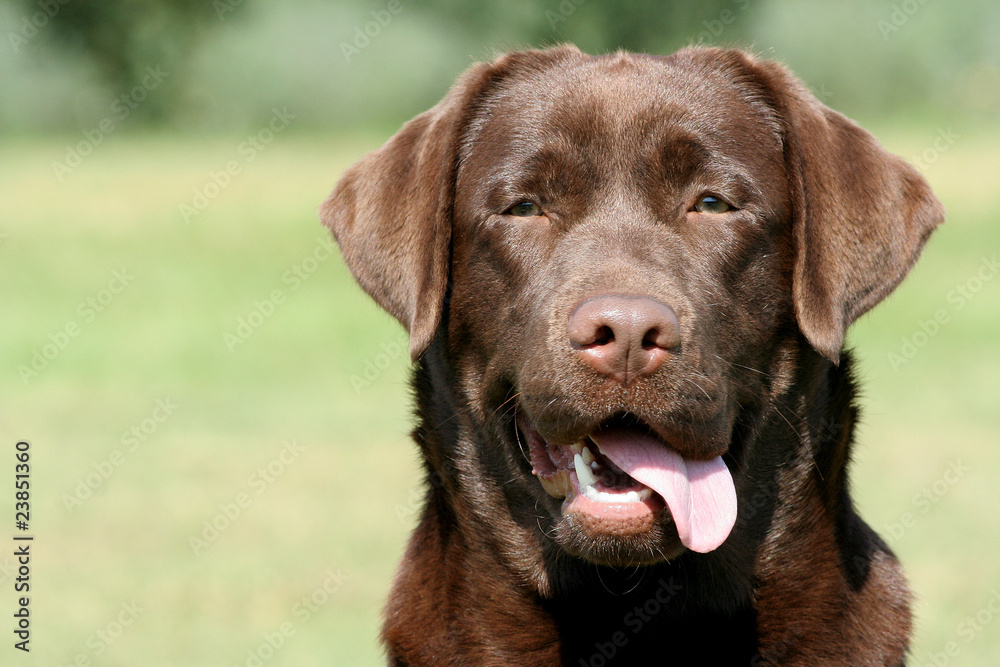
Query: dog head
[615,258]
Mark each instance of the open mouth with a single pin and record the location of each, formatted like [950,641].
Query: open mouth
[625,477]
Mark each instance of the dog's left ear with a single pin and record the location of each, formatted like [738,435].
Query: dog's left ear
[860,214]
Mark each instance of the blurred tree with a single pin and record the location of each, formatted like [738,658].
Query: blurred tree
[230,62]
[125,37]
[654,26]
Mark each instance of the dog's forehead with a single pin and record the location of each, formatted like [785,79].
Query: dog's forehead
[620,100]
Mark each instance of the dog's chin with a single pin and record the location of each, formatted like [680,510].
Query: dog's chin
[620,537]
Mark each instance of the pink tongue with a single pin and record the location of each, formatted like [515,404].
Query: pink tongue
[700,494]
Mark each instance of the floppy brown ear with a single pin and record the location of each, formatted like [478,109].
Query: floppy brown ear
[860,214]
[391,213]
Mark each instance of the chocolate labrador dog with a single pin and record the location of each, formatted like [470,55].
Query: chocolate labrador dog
[626,281]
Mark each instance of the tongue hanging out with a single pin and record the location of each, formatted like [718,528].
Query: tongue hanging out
[700,494]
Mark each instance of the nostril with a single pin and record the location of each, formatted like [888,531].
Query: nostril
[604,335]
[590,328]
[657,338]
[649,340]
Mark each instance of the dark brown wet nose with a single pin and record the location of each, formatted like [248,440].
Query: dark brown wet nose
[623,336]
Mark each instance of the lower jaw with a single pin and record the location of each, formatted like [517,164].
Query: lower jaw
[625,537]
[620,519]
[617,534]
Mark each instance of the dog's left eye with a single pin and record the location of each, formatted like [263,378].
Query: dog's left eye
[524,209]
[711,204]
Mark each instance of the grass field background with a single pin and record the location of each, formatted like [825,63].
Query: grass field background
[307,547]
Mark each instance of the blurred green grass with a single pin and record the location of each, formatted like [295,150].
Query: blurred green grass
[346,503]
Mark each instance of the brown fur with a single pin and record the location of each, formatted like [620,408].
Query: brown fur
[614,149]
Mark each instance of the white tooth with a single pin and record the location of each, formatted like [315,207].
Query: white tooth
[583,472]
[610,496]
[594,465]
[646,493]
[588,457]
[558,485]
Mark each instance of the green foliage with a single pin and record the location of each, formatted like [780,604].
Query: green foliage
[125,37]
[652,26]
[343,63]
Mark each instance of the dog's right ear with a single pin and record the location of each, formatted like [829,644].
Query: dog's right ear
[391,213]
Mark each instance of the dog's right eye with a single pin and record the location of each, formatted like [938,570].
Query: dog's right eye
[711,204]
[524,209]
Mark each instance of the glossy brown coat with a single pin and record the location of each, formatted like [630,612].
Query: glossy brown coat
[617,151]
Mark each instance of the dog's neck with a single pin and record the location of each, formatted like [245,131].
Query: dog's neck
[509,596]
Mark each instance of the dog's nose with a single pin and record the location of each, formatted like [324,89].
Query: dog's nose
[623,336]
